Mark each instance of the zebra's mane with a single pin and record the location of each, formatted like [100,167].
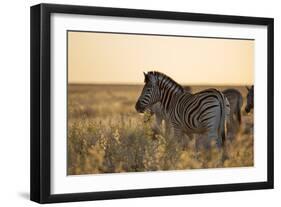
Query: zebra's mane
[166,80]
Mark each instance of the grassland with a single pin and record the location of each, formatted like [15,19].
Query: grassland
[107,135]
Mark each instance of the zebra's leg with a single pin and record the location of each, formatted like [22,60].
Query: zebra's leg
[173,148]
[176,134]
[214,132]
[200,141]
[215,129]
[189,141]
[156,126]
[215,151]
[213,139]
[167,129]
[239,121]
[231,127]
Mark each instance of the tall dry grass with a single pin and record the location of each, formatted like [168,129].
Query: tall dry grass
[107,135]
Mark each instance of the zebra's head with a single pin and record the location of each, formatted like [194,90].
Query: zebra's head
[150,93]
[250,99]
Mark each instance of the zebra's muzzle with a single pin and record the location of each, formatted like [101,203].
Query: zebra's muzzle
[247,109]
[139,107]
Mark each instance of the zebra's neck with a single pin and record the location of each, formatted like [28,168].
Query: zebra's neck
[169,98]
[169,91]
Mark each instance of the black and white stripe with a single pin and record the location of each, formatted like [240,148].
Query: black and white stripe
[156,109]
[185,113]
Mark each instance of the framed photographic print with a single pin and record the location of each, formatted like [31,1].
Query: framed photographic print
[133,103]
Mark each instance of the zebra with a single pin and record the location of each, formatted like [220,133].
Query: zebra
[233,112]
[235,101]
[250,99]
[185,113]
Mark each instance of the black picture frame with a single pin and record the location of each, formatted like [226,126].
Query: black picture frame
[41,99]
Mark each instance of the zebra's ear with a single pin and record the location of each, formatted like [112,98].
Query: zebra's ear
[145,77]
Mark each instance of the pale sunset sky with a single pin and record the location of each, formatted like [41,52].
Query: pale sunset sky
[108,58]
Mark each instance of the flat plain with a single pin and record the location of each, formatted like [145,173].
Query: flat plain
[107,135]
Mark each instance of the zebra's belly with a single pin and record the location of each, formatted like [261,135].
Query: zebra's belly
[195,130]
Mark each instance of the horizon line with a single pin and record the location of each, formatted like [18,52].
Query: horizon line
[138,84]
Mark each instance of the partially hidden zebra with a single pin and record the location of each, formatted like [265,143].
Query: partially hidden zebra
[185,113]
[250,99]
[235,101]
